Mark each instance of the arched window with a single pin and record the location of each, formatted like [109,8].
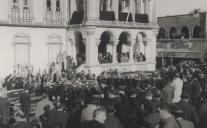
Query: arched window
[105,48]
[197,32]
[173,33]
[22,49]
[48,5]
[184,32]
[161,34]
[57,5]
[54,47]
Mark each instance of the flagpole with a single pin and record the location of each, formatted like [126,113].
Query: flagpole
[129,11]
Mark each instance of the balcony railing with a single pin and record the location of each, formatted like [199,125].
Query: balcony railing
[27,15]
[107,15]
[123,16]
[15,16]
[49,18]
[58,18]
[141,18]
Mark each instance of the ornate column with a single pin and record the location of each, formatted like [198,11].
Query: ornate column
[146,6]
[139,6]
[92,9]
[115,8]
[150,13]
[20,3]
[91,47]
[154,11]
[114,54]
[53,8]
[131,49]
[72,8]
[133,9]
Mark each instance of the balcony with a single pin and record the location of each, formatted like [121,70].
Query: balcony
[27,15]
[58,18]
[15,16]
[49,18]
[107,15]
[123,16]
[141,18]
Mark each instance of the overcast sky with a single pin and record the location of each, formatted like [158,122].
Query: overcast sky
[175,7]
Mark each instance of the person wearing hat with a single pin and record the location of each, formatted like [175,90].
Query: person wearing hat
[20,120]
[112,121]
[41,104]
[57,117]
[167,118]
[167,92]
[93,104]
[189,112]
[99,117]
[178,113]
[25,102]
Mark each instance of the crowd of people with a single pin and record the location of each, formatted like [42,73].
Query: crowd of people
[171,97]
[121,57]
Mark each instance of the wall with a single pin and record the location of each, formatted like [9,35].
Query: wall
[38,48]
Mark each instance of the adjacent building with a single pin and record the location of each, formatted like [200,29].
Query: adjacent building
[182,37]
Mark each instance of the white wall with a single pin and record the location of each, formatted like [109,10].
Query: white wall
[38,48]
[4,9]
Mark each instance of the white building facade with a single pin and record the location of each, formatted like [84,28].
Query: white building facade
[34,32]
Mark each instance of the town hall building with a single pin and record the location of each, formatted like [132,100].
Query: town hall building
[35,32]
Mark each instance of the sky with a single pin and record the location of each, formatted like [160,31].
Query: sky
[176,7]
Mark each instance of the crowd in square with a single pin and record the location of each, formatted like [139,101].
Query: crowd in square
[171,97]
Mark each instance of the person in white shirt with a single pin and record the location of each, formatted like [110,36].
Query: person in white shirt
[177,83]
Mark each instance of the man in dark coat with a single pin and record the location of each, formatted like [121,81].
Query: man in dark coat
[178,113]
[167,92]
[167,119]
[112,121]
[189,112]
[25,100]
[57,117]
[99,117]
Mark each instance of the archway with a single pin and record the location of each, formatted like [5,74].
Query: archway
[139,49]
[173,33]
[184,32]
[123,47]
[161,34]
[105,48]
[197,32]
[80,48]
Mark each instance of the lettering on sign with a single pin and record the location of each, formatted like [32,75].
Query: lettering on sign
[179,54]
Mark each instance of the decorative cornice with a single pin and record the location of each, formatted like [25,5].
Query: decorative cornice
[116,24]
[32,25]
